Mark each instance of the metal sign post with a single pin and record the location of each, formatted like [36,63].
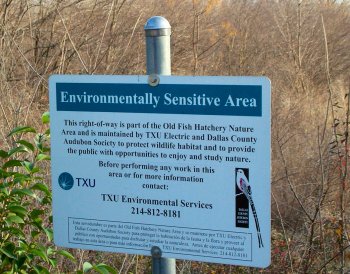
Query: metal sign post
[158,31]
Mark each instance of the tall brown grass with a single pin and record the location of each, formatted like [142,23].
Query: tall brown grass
[302,46]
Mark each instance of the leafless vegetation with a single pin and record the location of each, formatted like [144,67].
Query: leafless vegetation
[302,46]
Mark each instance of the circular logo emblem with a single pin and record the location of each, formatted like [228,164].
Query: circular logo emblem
[66,181]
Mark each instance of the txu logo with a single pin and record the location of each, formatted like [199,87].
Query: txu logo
[66,181]
[86,182]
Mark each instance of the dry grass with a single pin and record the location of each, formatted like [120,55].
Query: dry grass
[302,46]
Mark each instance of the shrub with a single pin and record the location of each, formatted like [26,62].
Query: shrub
[25,202]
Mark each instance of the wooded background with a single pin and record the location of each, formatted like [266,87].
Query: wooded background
[302,46]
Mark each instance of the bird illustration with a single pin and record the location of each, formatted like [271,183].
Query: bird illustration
[243,185]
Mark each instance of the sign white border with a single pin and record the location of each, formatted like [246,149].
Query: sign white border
[86,204]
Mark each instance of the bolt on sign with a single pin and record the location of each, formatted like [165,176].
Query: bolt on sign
[183,165]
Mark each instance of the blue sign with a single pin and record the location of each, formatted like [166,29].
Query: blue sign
[184,165]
